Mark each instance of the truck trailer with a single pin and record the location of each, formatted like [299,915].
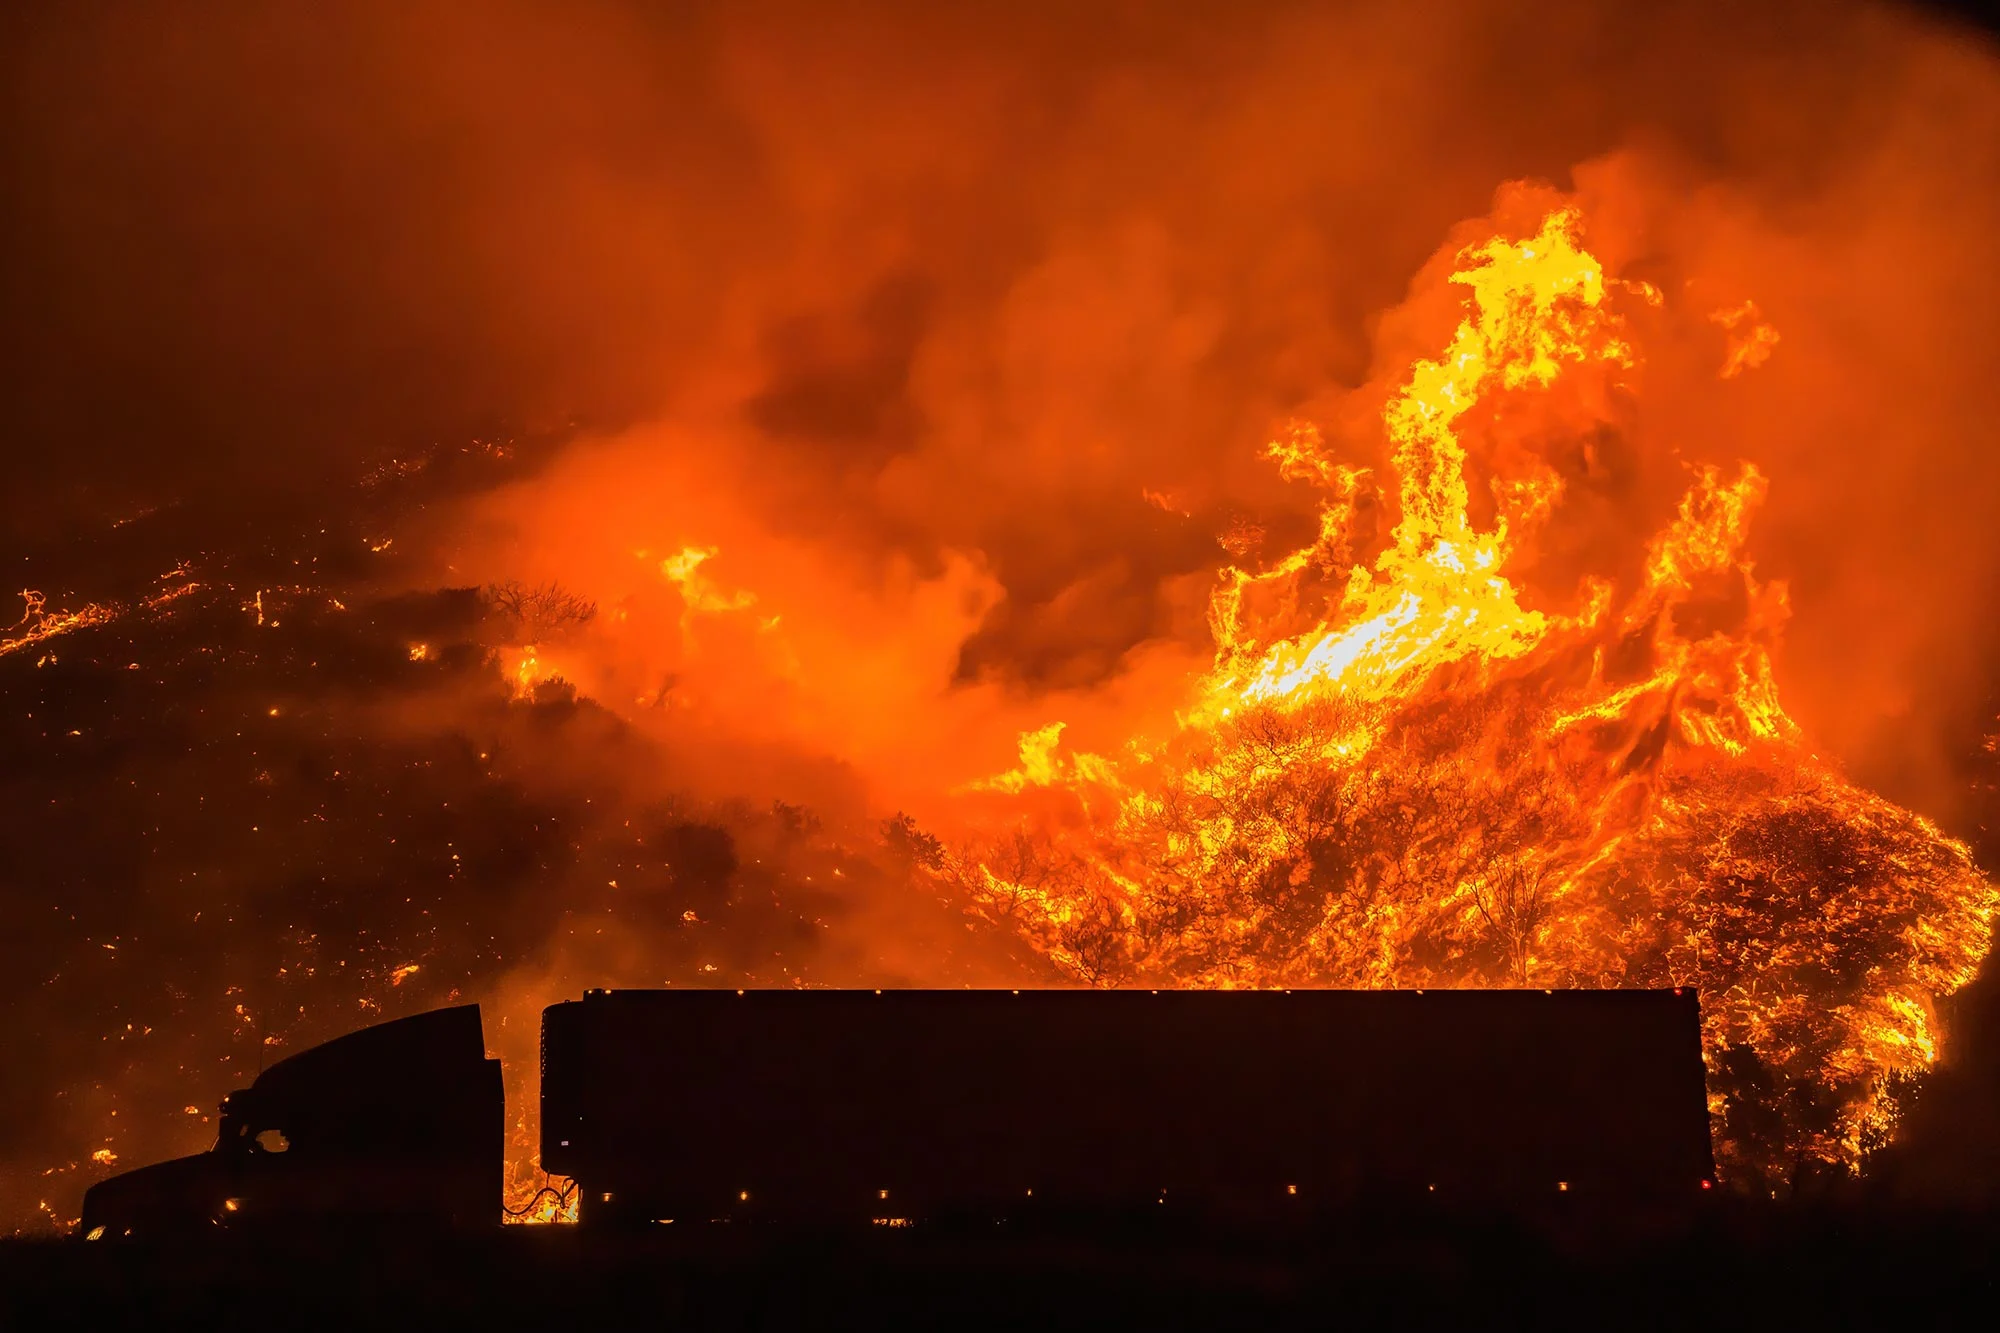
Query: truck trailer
[896,1106]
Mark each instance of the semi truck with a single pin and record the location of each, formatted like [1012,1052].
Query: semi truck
[898,1106]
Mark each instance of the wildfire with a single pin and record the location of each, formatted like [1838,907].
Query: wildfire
[1750,338]
[1399,774]
[527,672]
[38,624]
[552,1202]
[698,591]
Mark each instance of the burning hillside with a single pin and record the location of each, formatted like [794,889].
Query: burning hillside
[755,498]
[1400,775]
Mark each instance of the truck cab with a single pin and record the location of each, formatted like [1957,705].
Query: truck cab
[403,1121]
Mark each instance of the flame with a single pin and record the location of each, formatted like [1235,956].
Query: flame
[1436,595]
[699,592]
[38,624]
[1038,761]
[526,670]
[551,1201]
[1431,782]
[1750,338]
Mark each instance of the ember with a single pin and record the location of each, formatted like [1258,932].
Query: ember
[38,624]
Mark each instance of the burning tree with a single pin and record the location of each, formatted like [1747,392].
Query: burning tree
[533,614]
[1398,774]
[528,619]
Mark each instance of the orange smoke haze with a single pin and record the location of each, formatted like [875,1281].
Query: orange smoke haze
[905,377]
[987,378]
[963,289]
[953,485]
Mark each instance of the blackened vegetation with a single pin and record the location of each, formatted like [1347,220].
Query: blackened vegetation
[227,838]
[533,614]
[908,844]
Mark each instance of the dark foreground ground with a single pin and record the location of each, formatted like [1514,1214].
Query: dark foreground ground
[1733,1267]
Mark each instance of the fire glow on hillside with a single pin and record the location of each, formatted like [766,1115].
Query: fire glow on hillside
[1398,775]
[1428,495]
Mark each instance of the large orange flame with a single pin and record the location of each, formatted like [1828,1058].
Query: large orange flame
[1398,774]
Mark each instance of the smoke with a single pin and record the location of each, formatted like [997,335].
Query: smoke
[1029,297]
[955,335]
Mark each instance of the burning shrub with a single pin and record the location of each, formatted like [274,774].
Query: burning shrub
[1427,783]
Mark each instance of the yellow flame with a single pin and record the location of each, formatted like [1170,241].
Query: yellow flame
[698,591]
[1425,782]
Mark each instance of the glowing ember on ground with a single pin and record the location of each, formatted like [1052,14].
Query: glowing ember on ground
[38,624]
